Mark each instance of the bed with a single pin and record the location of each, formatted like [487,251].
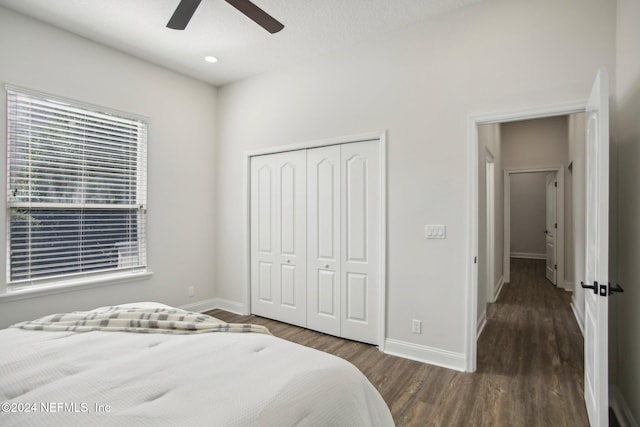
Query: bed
[148,364]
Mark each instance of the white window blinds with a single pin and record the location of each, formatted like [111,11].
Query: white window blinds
[76,193]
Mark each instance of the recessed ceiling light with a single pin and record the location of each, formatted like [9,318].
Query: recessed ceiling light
[211,59]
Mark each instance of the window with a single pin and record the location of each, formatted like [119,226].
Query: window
[76,190]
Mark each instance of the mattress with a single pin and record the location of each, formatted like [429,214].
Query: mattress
[110,378]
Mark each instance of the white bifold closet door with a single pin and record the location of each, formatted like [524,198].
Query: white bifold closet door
[341,239]
[360,225]
[323,240]
[343,196]
[278,237]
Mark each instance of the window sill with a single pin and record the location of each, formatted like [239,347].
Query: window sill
[73,285]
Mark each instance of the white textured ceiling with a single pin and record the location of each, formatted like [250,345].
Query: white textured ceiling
[312,28]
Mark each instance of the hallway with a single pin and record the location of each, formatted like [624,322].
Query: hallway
[531,351]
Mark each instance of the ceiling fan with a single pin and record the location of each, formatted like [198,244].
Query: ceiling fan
[187,8]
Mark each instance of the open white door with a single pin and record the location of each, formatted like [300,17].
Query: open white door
[596,364]
[551,227]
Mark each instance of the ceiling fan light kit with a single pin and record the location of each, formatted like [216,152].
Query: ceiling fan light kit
[186,8]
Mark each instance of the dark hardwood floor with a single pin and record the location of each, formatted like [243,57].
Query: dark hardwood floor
[530,363]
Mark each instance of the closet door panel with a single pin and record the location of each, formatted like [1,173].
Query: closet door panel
[356,209]
[278,237]
[265,282]
[356,301]
[291,226]
[327,288]
[263,256]
[360,222]
[323,239]
[288,214]
[288,284]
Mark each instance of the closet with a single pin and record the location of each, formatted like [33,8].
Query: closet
[315,218]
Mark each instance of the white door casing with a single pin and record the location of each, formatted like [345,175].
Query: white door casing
[360,219]
[323,239]
[278,236]
[551,227]
[490,233]
[596,346]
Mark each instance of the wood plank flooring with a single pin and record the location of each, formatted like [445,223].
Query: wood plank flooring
[530,363]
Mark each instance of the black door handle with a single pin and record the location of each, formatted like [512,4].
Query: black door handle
[594,287]
[546,232]
[615,288]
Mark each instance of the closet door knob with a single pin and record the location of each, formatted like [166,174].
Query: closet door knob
[288,261]
[326,266]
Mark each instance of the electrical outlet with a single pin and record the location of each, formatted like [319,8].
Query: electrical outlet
[192,292]
[416,327]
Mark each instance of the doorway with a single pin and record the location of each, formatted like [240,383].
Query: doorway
[474,162]
[552,246]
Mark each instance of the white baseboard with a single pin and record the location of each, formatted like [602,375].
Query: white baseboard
[579,317]
[482,322]
[498,288]
[419,353]
[213,303]
[621,408]
[568,286]
[231,306]
[201,306]
[528,255]
[424,354]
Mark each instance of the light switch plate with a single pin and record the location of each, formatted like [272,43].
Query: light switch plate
[435,231]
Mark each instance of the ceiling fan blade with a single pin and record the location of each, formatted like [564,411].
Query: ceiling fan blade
[257,15]
[183,14]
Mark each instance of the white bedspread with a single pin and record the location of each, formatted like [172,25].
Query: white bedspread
[213,379]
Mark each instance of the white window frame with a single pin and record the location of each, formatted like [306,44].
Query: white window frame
[53,283]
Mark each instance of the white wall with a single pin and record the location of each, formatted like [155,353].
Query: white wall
[528,214]
[181,115]
[535,143]
[420,85]
[627,110]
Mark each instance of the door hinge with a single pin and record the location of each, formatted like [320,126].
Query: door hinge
[555,184]
[555,266]
[555,225]
[475,259]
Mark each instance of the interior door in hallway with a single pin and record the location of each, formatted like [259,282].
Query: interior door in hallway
[596,275]
[278,237]
[551,226]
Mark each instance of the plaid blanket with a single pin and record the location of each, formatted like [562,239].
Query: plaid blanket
[137,319]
